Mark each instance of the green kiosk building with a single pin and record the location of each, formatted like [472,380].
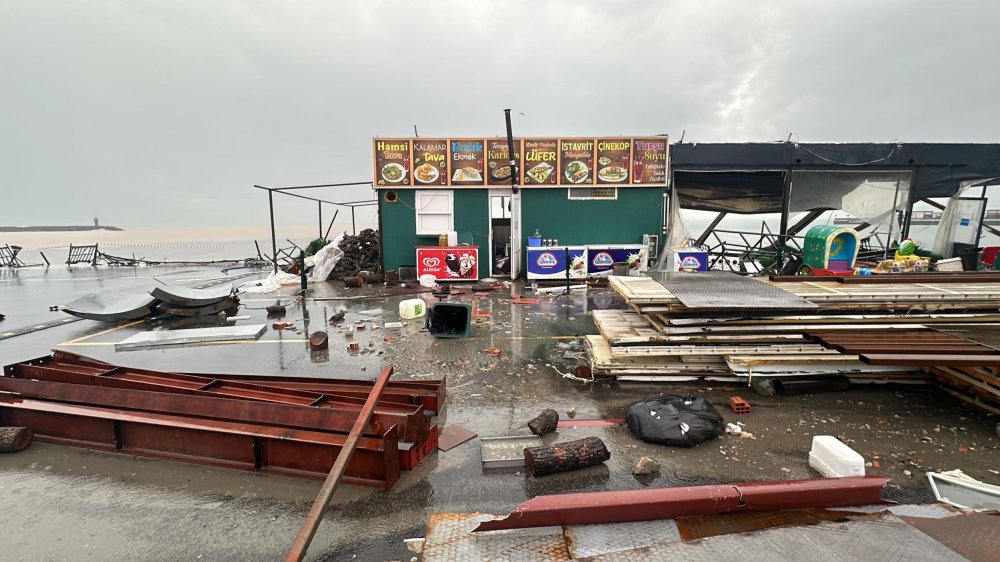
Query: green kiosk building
[447,206]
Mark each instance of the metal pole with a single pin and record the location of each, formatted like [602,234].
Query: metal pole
[510,153]
[274,241]
[354,225]
[308,530]
[786,194]
[888,242]
[319,207]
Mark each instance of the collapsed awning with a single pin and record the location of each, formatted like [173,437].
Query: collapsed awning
[750,177]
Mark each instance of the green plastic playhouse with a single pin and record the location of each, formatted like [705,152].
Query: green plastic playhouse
[830,248]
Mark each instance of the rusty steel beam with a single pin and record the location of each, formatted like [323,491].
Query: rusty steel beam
[338,420]
[235,445]
[301,544]
[430,394]
[139,379]
[927,360]
[668,503]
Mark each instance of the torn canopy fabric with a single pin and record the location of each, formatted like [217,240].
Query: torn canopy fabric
[749,177]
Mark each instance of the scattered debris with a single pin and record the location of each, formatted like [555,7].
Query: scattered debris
[571,412]
[545,422]
[524,300]
[354,346]
[494,351]
[680,421]
[197,335]
[645,466]
[961,490]
[739,405]
[733,429]
[282,325]
[14,439]
[318,341]
[393,325]
[563,457]
[360,325]
[453,436]
[275,310]
[506,452]
[833,459]
[591,423]
[338,316]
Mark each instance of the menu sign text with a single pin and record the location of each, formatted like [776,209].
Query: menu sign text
[649,161]
[613,157]
[576,161]
[430,162]
[541,162]
[392,162]
[467,161]
[498,168]
[541,156]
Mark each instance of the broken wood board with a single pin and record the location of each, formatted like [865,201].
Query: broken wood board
[159,338]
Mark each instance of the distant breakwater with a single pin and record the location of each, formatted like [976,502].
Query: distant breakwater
[57,228]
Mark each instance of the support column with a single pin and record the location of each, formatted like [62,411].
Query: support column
[274,241]
[786,193]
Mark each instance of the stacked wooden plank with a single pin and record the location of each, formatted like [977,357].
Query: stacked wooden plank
[660,338]
[964,360]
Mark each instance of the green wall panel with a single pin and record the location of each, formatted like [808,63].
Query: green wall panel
[637,211]
[399,225]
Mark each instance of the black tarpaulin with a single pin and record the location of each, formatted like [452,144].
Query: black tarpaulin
[748,177]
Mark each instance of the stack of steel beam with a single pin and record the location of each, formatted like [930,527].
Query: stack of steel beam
[293,426]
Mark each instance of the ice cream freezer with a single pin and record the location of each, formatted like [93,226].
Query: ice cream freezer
[550,262]
[601,258]
[449,263]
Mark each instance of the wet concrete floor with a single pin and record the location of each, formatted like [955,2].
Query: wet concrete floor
[61,503]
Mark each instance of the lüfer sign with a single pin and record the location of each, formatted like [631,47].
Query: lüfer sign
[542,162]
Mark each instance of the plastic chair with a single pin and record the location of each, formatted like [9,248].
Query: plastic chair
[989,257]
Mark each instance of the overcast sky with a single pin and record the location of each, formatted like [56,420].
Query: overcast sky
[161,113]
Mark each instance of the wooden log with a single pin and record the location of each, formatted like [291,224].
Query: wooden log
[318,341]
[546,422]
[561,457]
[14,439]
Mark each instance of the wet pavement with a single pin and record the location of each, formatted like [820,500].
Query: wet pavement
[63,503]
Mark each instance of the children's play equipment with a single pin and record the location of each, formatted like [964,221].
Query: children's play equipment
[830,249]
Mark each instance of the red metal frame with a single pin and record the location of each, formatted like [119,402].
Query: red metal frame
[244,446]
[668,503]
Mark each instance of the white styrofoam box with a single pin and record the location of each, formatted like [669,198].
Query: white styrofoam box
[833,459]
[950,264]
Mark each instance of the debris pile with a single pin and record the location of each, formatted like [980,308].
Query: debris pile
[804,334]
[165,299]
[361,253]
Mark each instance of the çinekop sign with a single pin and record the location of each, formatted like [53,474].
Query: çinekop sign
[542,162]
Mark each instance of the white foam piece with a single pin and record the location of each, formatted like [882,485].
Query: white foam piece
[833,459]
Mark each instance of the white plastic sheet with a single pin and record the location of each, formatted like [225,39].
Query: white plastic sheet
[325,260]
[868,196]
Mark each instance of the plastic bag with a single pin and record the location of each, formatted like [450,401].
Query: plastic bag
[680,421]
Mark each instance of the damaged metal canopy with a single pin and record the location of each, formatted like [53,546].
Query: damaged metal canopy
[198,335]
[95,307]
[184,296]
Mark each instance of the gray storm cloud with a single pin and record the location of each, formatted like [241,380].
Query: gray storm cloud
[166,113]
